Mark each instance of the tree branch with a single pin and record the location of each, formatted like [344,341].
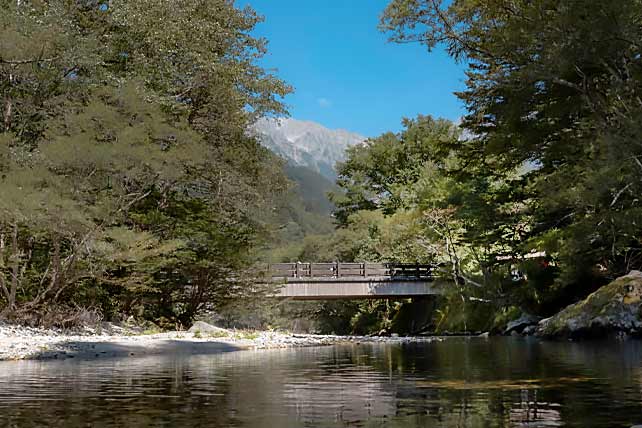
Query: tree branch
[26,61]
[617,196]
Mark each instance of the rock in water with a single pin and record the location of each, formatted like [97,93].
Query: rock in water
[613,310]
[520,324]
[205,328]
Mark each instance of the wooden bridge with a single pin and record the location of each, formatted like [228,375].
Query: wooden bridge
[315,281]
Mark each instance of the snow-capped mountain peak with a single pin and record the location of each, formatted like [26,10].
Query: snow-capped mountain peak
[306,143]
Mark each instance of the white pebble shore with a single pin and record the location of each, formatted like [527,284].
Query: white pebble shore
[23,343]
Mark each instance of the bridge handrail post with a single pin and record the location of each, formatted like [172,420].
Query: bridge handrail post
[296,270]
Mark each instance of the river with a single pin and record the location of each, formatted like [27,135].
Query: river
[456,382]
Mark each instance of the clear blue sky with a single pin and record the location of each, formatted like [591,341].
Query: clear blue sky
[346,74]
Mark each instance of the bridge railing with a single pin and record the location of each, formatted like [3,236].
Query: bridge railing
[350,270]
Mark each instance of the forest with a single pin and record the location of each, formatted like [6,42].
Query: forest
[546,163]
[130,186]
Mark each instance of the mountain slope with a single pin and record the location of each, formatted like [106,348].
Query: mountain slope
[311,152]
[312,188]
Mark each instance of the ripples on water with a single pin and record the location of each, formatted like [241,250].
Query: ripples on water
[459,382]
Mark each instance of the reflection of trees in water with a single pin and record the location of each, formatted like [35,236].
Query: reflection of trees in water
[610,367]
[125,393]
[456,383]
[530,412]
[511,381]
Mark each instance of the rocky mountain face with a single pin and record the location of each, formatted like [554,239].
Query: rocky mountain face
[307,144]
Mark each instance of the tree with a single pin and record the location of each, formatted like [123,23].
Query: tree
[376,175]
[552,95]
[127,168]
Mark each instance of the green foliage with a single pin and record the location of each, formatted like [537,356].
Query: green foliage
[129,183]
[552,160]
[312,188]
[503,317]
[301,220]
[376,175]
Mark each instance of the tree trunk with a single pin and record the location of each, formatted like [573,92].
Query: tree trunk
[3,278]
[8,108]
[55,264]
[15,268]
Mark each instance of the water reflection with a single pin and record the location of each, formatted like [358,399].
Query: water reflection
[455,383]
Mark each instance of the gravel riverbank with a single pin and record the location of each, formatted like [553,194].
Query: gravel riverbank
[25,343]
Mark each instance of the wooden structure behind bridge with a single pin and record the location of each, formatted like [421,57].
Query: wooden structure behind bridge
[315,281]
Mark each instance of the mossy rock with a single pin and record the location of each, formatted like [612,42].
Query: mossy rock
[205,329]
[614,309]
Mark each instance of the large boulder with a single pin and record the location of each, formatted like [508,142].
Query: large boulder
[201,327]
[613,310]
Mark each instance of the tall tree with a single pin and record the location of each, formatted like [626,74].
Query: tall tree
[127,168]
[553,92]
[376,175]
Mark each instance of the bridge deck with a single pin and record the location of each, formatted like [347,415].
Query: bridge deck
[315,281]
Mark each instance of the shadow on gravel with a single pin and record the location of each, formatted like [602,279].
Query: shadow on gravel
[93,350]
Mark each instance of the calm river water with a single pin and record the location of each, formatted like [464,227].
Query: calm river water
[458,382]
